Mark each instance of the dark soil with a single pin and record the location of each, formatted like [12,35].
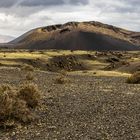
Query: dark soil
[85,108]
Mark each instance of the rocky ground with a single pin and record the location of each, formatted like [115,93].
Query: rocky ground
[83,108]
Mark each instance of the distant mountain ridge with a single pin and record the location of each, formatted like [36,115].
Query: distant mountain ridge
[5,38]
[79,36]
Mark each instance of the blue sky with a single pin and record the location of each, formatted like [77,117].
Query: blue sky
[19,16]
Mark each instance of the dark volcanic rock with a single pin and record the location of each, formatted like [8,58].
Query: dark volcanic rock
[79,36]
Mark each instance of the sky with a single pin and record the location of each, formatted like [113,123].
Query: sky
[20,16]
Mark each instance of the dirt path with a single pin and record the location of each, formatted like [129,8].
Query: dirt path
[85,108]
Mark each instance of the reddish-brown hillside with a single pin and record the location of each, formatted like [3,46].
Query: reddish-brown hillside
[79,36]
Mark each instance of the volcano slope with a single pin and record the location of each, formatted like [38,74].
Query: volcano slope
[79,36]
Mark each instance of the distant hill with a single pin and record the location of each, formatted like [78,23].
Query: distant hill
[5,38]
[79,36]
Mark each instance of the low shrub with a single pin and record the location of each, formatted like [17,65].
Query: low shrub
[21,112]
[16,103]
[61,80]
[29,76]
[27,68]
[30,93]
[63,73]
[134,78]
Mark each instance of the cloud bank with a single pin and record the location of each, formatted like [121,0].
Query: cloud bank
[19,16]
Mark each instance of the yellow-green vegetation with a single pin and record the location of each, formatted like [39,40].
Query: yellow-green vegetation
[134,78]
[101,73]
[14,57]
[50,60]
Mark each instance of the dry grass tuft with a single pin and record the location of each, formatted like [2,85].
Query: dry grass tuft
[27,68]
[134,78]
[30,93]
[6,104]
[63,73]
[15,103]
[61,79]
[21,112]
[29,76]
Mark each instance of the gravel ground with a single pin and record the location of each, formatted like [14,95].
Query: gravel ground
[84,108]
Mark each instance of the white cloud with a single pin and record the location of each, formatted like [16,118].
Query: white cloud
[17,19]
